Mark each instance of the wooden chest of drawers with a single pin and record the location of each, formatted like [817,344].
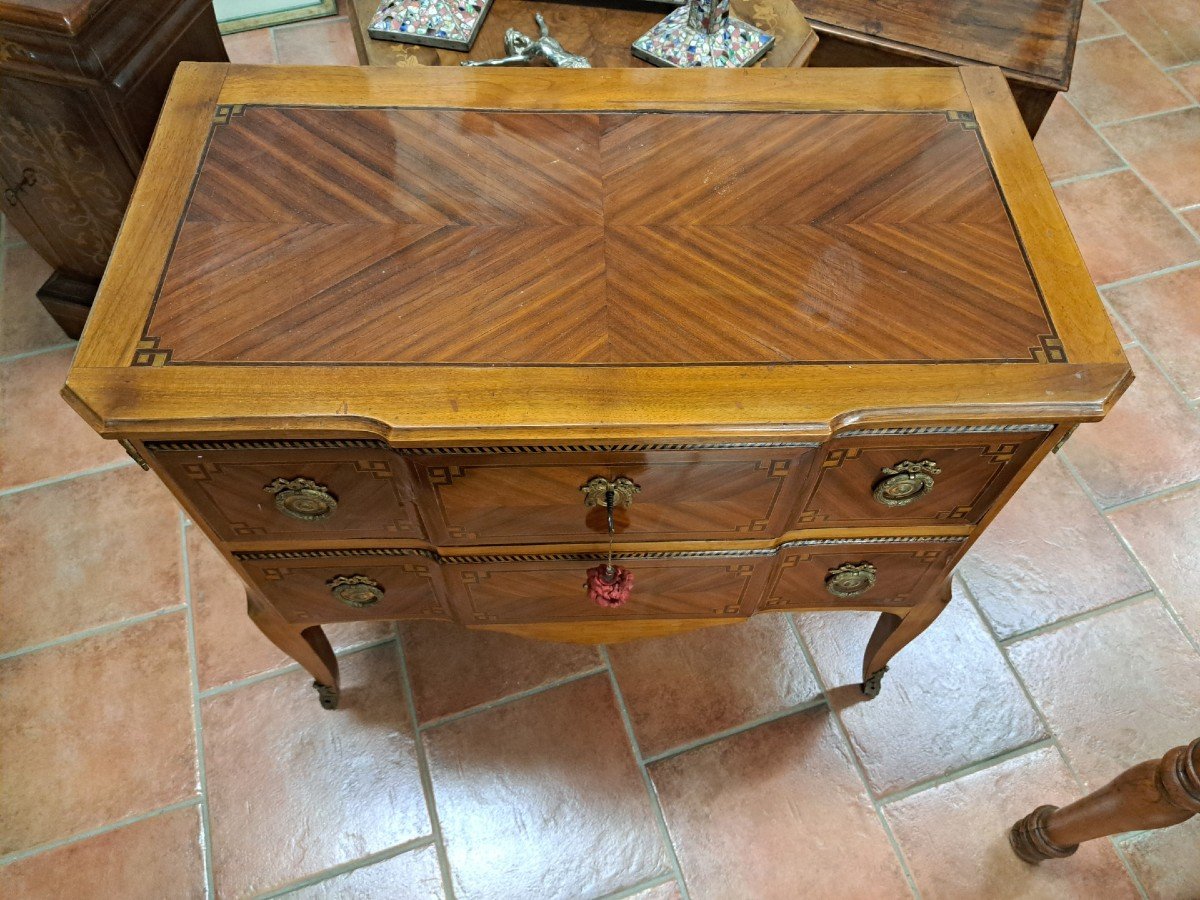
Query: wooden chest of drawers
[381,332]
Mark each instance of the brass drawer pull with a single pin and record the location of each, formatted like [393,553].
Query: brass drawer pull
[595,492]
[358,591]
[905,482]
[608,585]
[302,498]
[850,579]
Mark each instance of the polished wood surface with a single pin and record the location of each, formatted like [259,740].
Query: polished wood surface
[371,487]
[660,213]
[483,289]
[431,403]
[66,16]
[970,474]
[1033,41]
[1155,794]
[81,84]
[602,31]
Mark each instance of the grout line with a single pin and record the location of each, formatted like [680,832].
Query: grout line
[511,698]
[1054,741]
[649,884]
[98,631]
[1116,532]
[977,766]
[25,354]
[1091,176]
[59,479]
[858,766]
[96,832]
[284,670]
[361,863]
[1153,495]
[1075,619]
[1138,279]
[696,744]
[435,823]
[635,749]
[1121,156]
[1158,112]
[197,722]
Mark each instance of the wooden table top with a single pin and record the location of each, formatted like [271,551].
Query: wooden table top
[574,240]
[1032,38]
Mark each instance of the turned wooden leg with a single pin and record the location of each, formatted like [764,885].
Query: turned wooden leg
[1153,794]
[307,646]
[892,633]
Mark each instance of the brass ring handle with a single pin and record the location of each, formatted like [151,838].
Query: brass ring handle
[905,482]
[850,579]
[358,591]
[302,498]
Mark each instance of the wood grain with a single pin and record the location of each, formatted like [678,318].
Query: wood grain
[1034,39]
[659,213]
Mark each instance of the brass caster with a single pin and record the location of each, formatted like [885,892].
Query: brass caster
[871,686]
[328,695]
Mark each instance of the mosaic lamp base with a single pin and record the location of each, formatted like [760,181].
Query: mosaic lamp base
[702,33]
[449,24]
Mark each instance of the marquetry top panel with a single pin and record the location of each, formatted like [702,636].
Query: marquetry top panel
[436,256]
[342,235]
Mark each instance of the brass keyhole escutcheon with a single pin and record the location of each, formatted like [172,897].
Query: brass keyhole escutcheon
[850,579]
[302,498]
[358,591]
[905,482]
[595,492]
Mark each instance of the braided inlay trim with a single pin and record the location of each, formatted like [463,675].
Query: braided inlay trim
[945,429]
[336,443]
[184,446]
[582,556]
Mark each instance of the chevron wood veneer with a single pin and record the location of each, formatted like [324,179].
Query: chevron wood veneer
[806,237]
[384,332]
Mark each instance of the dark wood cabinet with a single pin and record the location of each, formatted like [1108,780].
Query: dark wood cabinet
[1032,41]
[81,85]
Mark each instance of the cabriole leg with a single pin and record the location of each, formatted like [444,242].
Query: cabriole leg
[892,633]
[307,646]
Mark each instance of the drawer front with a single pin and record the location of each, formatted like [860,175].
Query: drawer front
[535,496]
[551,588]
[313,492]
[326,587]
[849,574]
[927,479]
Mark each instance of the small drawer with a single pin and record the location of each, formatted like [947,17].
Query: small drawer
[863,573]
[534,494]
[928,479]
[348,586]
[551,588]
[266,492]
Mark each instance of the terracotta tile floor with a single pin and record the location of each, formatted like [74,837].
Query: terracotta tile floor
[155,745]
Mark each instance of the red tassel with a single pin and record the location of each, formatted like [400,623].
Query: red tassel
[610,590]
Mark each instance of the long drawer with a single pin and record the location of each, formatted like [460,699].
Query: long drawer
[509,588]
